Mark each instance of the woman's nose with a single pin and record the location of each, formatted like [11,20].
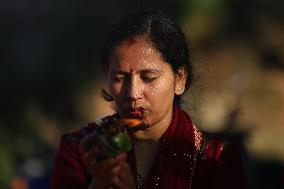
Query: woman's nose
[134,89]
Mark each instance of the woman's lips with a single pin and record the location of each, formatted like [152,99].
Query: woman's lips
[136,112]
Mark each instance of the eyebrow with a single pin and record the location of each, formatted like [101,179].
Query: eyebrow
[143,71]
[118,72]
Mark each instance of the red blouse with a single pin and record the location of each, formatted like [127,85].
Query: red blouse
[180,163]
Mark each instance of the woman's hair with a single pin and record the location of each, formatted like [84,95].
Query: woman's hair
[163,33]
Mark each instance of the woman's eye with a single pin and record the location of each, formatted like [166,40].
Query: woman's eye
[117,78]
[148,79]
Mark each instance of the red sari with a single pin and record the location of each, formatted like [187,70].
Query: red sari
[183,160]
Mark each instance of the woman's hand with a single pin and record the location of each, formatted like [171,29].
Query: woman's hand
[125,179]
[110,173]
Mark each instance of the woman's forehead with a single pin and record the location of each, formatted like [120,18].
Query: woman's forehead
[136,55]
[154,66]
[140,45]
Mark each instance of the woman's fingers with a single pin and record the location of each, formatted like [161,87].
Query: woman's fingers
[125,178]
[91,155]
[89,159]
[109,174]
[87,142]
[105,173]
[107,168]
[126,173]
[111,162]
[117,183]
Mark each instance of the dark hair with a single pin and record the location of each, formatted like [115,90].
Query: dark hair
[164,34]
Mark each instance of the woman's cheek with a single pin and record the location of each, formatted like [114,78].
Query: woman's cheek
[157,94]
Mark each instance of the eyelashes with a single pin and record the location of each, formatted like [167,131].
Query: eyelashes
[117,78]
[122,78]
[148,79]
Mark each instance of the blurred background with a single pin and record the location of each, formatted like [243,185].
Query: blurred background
[50,78]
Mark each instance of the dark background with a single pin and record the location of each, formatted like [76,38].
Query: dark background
[50,77]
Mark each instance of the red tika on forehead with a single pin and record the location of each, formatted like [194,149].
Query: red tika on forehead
[131,41]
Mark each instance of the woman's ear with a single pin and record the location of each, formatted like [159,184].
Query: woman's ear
[180,81]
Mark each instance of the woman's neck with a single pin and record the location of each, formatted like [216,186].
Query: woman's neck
[145,152]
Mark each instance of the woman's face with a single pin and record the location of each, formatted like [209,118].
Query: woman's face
[142,84]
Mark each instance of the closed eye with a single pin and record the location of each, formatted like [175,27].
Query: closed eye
[117,77]
[148,79]
[150,75]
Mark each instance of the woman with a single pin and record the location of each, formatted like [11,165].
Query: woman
[148,68]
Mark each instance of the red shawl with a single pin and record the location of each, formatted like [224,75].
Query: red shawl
[177,164]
